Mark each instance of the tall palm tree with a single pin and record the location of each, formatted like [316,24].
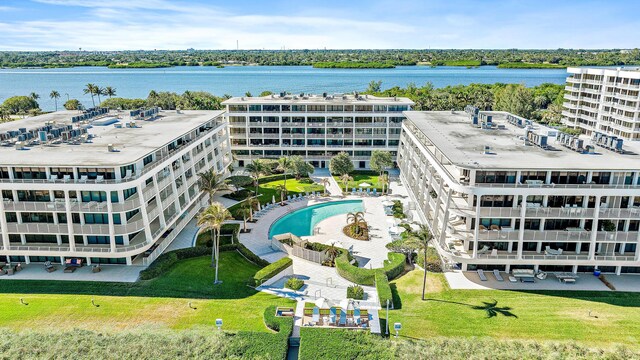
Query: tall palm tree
[345,178]
[423,235]
[211,182]
[384,181]
[253,205]
[246,211]
[99,91]
[110,91]
[91,90]
[325,183]
[55,96]
[34,96]
[282,190]
[285,164]
[257,168]
[211,219]
[332,252]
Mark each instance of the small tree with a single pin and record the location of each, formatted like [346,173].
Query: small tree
[325,184]
[72,104]
[245,210]
[383,180]
[345,178]
[299,167]
[380,161]
[332,253]
[238,181]
[341,164]
[282,190]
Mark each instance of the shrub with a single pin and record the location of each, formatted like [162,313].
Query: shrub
[355,292]
[317,343]
[249,255]
[239,195]
[271,270]
[398,209]
[383,288]
[352,273]
[433,260]
[72,104]
[123,103]
[394,266]
[270,178]
[255,345]
[294,283]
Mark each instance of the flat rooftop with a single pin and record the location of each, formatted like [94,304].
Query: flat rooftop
[329,99]
[131,143]
[463,144]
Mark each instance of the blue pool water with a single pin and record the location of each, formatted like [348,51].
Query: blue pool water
[301,222]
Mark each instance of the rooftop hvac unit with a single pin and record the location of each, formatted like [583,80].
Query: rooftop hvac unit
[42,135]
[111,148]
[487,149]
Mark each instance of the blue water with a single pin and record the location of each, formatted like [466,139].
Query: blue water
[236,80]
[301,222]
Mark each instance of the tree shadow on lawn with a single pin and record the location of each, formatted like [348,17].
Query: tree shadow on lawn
[491,308]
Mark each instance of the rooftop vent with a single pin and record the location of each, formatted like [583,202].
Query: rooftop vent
[111,148]
[486,121]
[534,138]
[571,142]
[609,142]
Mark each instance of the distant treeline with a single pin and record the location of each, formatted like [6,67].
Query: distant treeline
[503,58]
[353,65]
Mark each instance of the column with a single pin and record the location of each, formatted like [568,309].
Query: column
[158,201]
[476,230]
[3,226]
[594,229]
[112,231]
[523,216]
[145,215]
[443,233]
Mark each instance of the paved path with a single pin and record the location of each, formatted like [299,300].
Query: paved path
[297,320]
[185,238]
[109,273]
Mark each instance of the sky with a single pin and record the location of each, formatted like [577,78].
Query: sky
[330,24]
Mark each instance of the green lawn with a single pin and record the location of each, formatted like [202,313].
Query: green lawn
[561,315]
[360,177]
[268,191]
[163,301]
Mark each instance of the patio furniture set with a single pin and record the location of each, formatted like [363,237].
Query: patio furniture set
[9,269]
[290,199]
[336,317]
[362,192]
[528,276]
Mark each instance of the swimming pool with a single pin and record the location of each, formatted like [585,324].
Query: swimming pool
[301,222]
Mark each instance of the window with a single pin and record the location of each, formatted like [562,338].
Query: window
[100,240]
[147,159]
[129,192]
[99,196]
[33,195]
[96,218]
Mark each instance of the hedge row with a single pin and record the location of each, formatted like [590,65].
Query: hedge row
[271,270]
[352,273]
[383,288]
[270,178]
[249,255]
[260,345]
[165,261]
[392,268]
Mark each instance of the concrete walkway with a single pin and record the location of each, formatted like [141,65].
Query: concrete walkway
[297,319]
[108,273]
[333,189]
[186,238]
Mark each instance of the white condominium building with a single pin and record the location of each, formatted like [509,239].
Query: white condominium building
[504,194]
[104,187]
[603,100]
[316,127]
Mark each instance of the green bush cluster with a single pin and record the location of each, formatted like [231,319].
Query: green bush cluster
[271,270]
[394,265]
[270,178]
[259,345]
[165,261]
[294,283]
[434,264]
[355,292]
[383,288]
[316,343]
[398,209]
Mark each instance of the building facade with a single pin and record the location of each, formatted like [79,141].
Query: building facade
[603,100]
[316,127]
[504,194]
[105,187]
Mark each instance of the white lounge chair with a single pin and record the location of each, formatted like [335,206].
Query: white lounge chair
[66,178]
[481,275]
[100,178]
[496,274]
[53,178]
[83,178]
[484,250]
[549,251]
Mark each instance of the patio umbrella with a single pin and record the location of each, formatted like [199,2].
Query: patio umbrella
[322,303]
[273,199]
[394,221]
[387,203]
[344,303]
[396,229]
[364,184]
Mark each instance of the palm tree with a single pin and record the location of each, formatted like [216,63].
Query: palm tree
[211,182]
[246,211]
[345,178]
[356,220]
[282,190]
[90,89]
[34,96]
[325,183]
[211,219]
[384,181]
[332,252]
[424,236]
[253,204]
[55,96]
[110,91]
[285,165]
[99,91]
[257,168]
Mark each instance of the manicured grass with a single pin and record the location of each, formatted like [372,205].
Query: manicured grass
[268,191]
[544,315]
[360,177]
[163,301]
